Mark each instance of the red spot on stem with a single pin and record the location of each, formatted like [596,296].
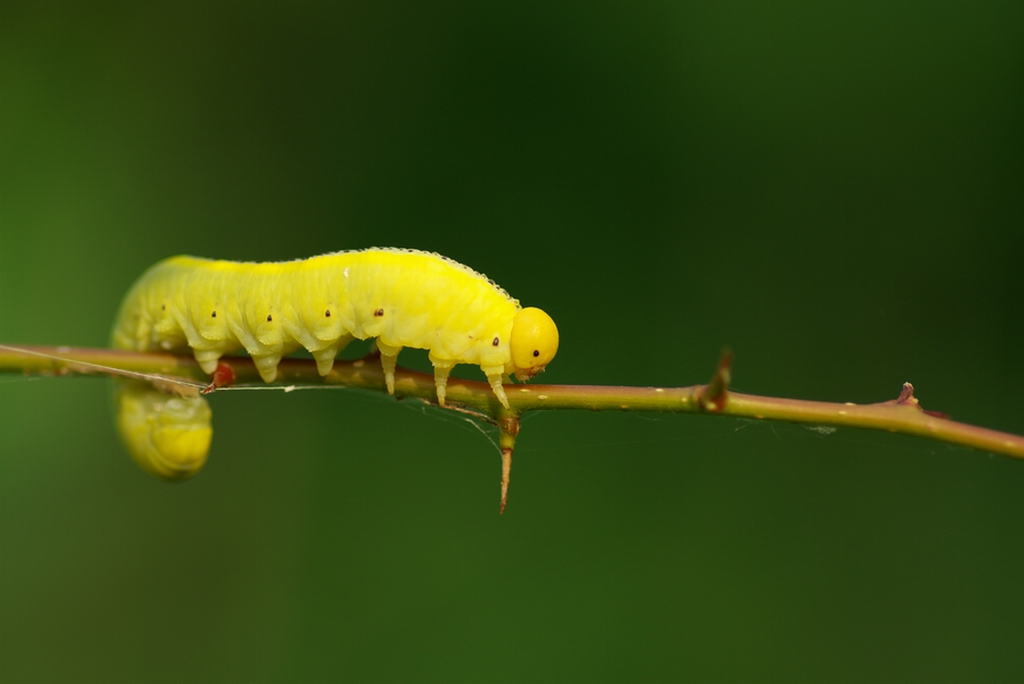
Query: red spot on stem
[222,377]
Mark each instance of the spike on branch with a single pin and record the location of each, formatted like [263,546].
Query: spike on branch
[907,398]
[714,396]
[509,428]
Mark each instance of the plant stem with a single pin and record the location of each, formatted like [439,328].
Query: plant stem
[903,414]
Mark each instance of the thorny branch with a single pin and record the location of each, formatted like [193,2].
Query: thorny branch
[903,414]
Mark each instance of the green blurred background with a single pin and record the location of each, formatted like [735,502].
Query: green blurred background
[836,190]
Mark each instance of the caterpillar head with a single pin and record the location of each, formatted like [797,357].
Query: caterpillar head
[168,436]
[534,342]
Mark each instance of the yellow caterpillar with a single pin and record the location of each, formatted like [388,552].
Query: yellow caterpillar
[401,297]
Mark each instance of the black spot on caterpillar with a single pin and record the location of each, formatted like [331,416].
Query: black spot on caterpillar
[433,303]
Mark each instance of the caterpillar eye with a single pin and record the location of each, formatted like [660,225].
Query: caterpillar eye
[327,314]
[270,318]
[536,352]
[213,315]
[495,342]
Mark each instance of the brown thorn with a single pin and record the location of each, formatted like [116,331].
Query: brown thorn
[506,473]
[907,398]
[715,394]
[906,395]
[508,425]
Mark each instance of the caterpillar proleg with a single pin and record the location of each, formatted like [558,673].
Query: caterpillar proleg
[401,297]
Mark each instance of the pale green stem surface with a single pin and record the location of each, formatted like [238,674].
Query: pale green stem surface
[903,415]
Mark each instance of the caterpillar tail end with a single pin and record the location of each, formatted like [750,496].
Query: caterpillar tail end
[168,436]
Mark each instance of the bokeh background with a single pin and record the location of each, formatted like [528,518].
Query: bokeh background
[836,190]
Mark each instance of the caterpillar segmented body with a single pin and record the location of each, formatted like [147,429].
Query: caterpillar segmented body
[401,297]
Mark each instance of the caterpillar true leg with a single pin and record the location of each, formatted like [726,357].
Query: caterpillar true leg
[388,361]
